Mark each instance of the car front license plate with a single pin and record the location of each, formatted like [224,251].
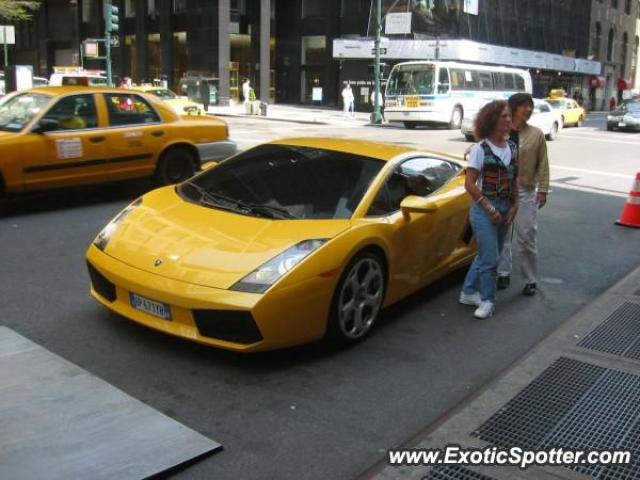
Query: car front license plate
[157,309]
[622,124]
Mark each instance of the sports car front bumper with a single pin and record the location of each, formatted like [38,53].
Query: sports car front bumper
[239,321]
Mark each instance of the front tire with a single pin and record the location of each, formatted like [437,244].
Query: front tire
[357,300]
[553,133]
[469,138]
[175,165]
[456,118]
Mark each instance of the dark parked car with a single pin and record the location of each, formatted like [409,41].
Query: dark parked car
[625,117]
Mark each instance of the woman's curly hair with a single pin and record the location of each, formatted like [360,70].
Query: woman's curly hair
[487,118]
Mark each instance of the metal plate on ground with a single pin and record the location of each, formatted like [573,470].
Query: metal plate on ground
[455,472]
[619,334]
[60,422]
[574,405]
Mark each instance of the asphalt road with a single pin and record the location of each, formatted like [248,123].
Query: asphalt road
[310,413]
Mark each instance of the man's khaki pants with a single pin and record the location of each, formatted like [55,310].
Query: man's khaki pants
[525,229]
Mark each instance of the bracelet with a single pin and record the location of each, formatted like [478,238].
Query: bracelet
[480,198]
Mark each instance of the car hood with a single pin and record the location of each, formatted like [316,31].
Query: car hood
[6,135]
[183,241]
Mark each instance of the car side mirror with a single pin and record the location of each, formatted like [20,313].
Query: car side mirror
[46,125]
[416,204]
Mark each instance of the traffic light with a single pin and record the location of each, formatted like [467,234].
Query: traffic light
[111,17]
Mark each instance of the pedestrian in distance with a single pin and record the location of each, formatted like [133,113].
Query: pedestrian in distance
[246,88]
[612,103]
[491,180]
[348,100]
[533,187]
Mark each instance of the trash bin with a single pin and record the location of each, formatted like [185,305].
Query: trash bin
[263,109]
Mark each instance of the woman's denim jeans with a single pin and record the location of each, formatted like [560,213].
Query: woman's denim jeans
[490,238]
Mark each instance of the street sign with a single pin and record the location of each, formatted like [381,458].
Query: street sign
[8,34]
[383,51]
[115,41]
[91,49]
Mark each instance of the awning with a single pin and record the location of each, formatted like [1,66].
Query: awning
[624,84]
[597,81]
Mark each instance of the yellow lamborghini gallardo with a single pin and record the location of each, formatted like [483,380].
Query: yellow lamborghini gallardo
[285,243]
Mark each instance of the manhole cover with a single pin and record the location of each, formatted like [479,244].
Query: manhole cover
[455,473]
[619,334]
[574,405]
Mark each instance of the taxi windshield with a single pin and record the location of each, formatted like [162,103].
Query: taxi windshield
[16,112]
[556,103]
[163,93]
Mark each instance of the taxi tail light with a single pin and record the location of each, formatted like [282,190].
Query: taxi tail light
[231,325]
[101,285]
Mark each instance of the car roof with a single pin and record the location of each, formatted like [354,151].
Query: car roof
[378,150]
[64,90]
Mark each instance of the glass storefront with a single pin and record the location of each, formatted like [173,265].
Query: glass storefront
[155,57]
[312,61]
[130,51]
[181,59]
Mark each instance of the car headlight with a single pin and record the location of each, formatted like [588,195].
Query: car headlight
[611,118]
[104,236]
[267,274]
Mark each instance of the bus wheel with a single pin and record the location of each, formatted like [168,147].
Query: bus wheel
[456,118]
[410,125]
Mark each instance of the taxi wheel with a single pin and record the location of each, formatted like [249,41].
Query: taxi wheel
[357,300]
[175,165]
[579,122]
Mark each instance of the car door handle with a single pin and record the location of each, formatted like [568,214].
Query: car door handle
[157,133]
[96,139]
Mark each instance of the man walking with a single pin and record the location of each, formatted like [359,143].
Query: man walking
[533,186]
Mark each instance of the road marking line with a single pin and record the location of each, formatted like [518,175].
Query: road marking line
[594,172]
[597,138]
[610,193]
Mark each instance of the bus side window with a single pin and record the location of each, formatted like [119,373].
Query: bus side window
[509,84]
[471,80]
[457,79]
[443,80]
[519,83]
[498,80]
[486,83]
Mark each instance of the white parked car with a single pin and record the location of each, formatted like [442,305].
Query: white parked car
[544,117]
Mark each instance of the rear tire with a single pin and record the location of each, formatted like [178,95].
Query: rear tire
[357,300]
[553,133]
[456,118]
[410,125]
[470,138]
[175,165]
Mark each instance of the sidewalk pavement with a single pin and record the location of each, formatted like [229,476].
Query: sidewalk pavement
[295,114]
[577,389]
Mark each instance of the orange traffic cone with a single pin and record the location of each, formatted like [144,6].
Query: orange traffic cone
[630,216]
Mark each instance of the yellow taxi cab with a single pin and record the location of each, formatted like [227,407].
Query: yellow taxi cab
[55,137]
[181,105]
[570,112]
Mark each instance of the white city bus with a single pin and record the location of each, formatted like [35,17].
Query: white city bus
[446,92]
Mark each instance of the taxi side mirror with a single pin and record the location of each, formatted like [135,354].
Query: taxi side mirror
[416,204]
[46,125]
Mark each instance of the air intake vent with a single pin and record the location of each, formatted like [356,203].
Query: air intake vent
[231,325]
[101,285]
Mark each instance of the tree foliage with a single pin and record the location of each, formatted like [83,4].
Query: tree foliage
[17,9]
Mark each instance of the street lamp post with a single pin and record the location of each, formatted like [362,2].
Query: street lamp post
[376,116]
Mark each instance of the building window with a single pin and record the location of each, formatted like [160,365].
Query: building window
[614,3]
[313,60]
[313,8]
[129,8]
[179,6]
[152,8]
[87,10]
[634,60]
[623,55]
[610,45]
[597,41]
[627,7]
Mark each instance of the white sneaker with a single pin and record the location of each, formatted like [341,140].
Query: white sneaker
[470,299]
[485,310]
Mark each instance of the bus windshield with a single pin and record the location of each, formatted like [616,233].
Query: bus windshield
[412,80]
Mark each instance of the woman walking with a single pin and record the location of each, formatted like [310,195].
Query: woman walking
[491,180]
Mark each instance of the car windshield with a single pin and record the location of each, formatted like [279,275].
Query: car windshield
[163,93]
[556,103]
[16,112]
[412,80]
[286,182]
[631,107]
